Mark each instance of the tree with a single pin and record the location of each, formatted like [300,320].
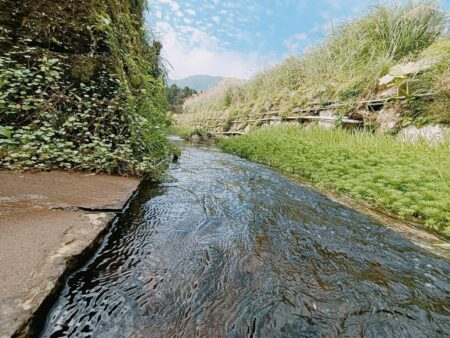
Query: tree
[176,97]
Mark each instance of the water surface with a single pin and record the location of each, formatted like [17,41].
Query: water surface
[228,248]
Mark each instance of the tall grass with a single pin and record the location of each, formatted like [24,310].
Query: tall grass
[346,66]
[211,103]
[410,180]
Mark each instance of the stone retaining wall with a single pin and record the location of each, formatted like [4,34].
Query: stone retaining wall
[381,114]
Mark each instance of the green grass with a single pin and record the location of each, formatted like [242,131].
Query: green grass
[184,132]
[187,133]
[345,67]
[409,180]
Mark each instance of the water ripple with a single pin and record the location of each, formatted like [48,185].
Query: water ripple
[227,248]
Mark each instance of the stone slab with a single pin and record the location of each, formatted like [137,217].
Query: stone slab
[44,232]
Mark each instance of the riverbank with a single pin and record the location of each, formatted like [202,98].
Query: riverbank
[50,223]
[410,181]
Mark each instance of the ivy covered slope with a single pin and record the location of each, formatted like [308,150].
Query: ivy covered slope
[80,87]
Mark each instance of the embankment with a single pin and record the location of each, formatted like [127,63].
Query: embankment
[385,77]
[386,70]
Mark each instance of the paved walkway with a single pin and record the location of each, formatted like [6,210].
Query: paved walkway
[47,219]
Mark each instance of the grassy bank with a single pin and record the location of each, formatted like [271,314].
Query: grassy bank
[409,180]
[346,68]
[183,131]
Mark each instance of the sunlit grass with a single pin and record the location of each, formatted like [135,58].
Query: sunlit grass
[410,180]
[183,131]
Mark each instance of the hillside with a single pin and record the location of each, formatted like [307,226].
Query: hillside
[197,82]
[394,51]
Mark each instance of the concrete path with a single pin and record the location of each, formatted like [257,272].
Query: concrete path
[47,222]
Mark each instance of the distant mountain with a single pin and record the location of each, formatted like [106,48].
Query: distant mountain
[197,82]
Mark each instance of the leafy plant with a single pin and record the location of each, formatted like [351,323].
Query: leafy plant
[5,132]
[103,112]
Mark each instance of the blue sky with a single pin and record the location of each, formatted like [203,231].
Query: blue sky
[239,37]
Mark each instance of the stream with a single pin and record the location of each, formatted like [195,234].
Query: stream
[228,248]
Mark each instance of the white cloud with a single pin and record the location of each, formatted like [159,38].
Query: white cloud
[191,51]
[190,11]
[335,4]
[301,36]
[172,4]
[293,43]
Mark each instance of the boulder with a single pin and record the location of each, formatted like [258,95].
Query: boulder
[196,138]
[276,121]
[389,92]
[388,120]
[403,70]
[368,117]
[429,134]
[242,125]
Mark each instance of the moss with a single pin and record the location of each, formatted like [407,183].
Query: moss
[83,68]
[59,25]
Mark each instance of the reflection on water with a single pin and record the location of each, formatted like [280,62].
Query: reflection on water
[227,248]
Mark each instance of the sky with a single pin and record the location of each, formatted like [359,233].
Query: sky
[236,38]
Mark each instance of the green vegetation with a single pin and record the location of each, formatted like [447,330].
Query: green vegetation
[410,180]
[346,67]
[176,97]
[183,131]
[188,132]
[84,92]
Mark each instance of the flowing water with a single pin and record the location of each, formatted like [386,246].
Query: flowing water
[228,248]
